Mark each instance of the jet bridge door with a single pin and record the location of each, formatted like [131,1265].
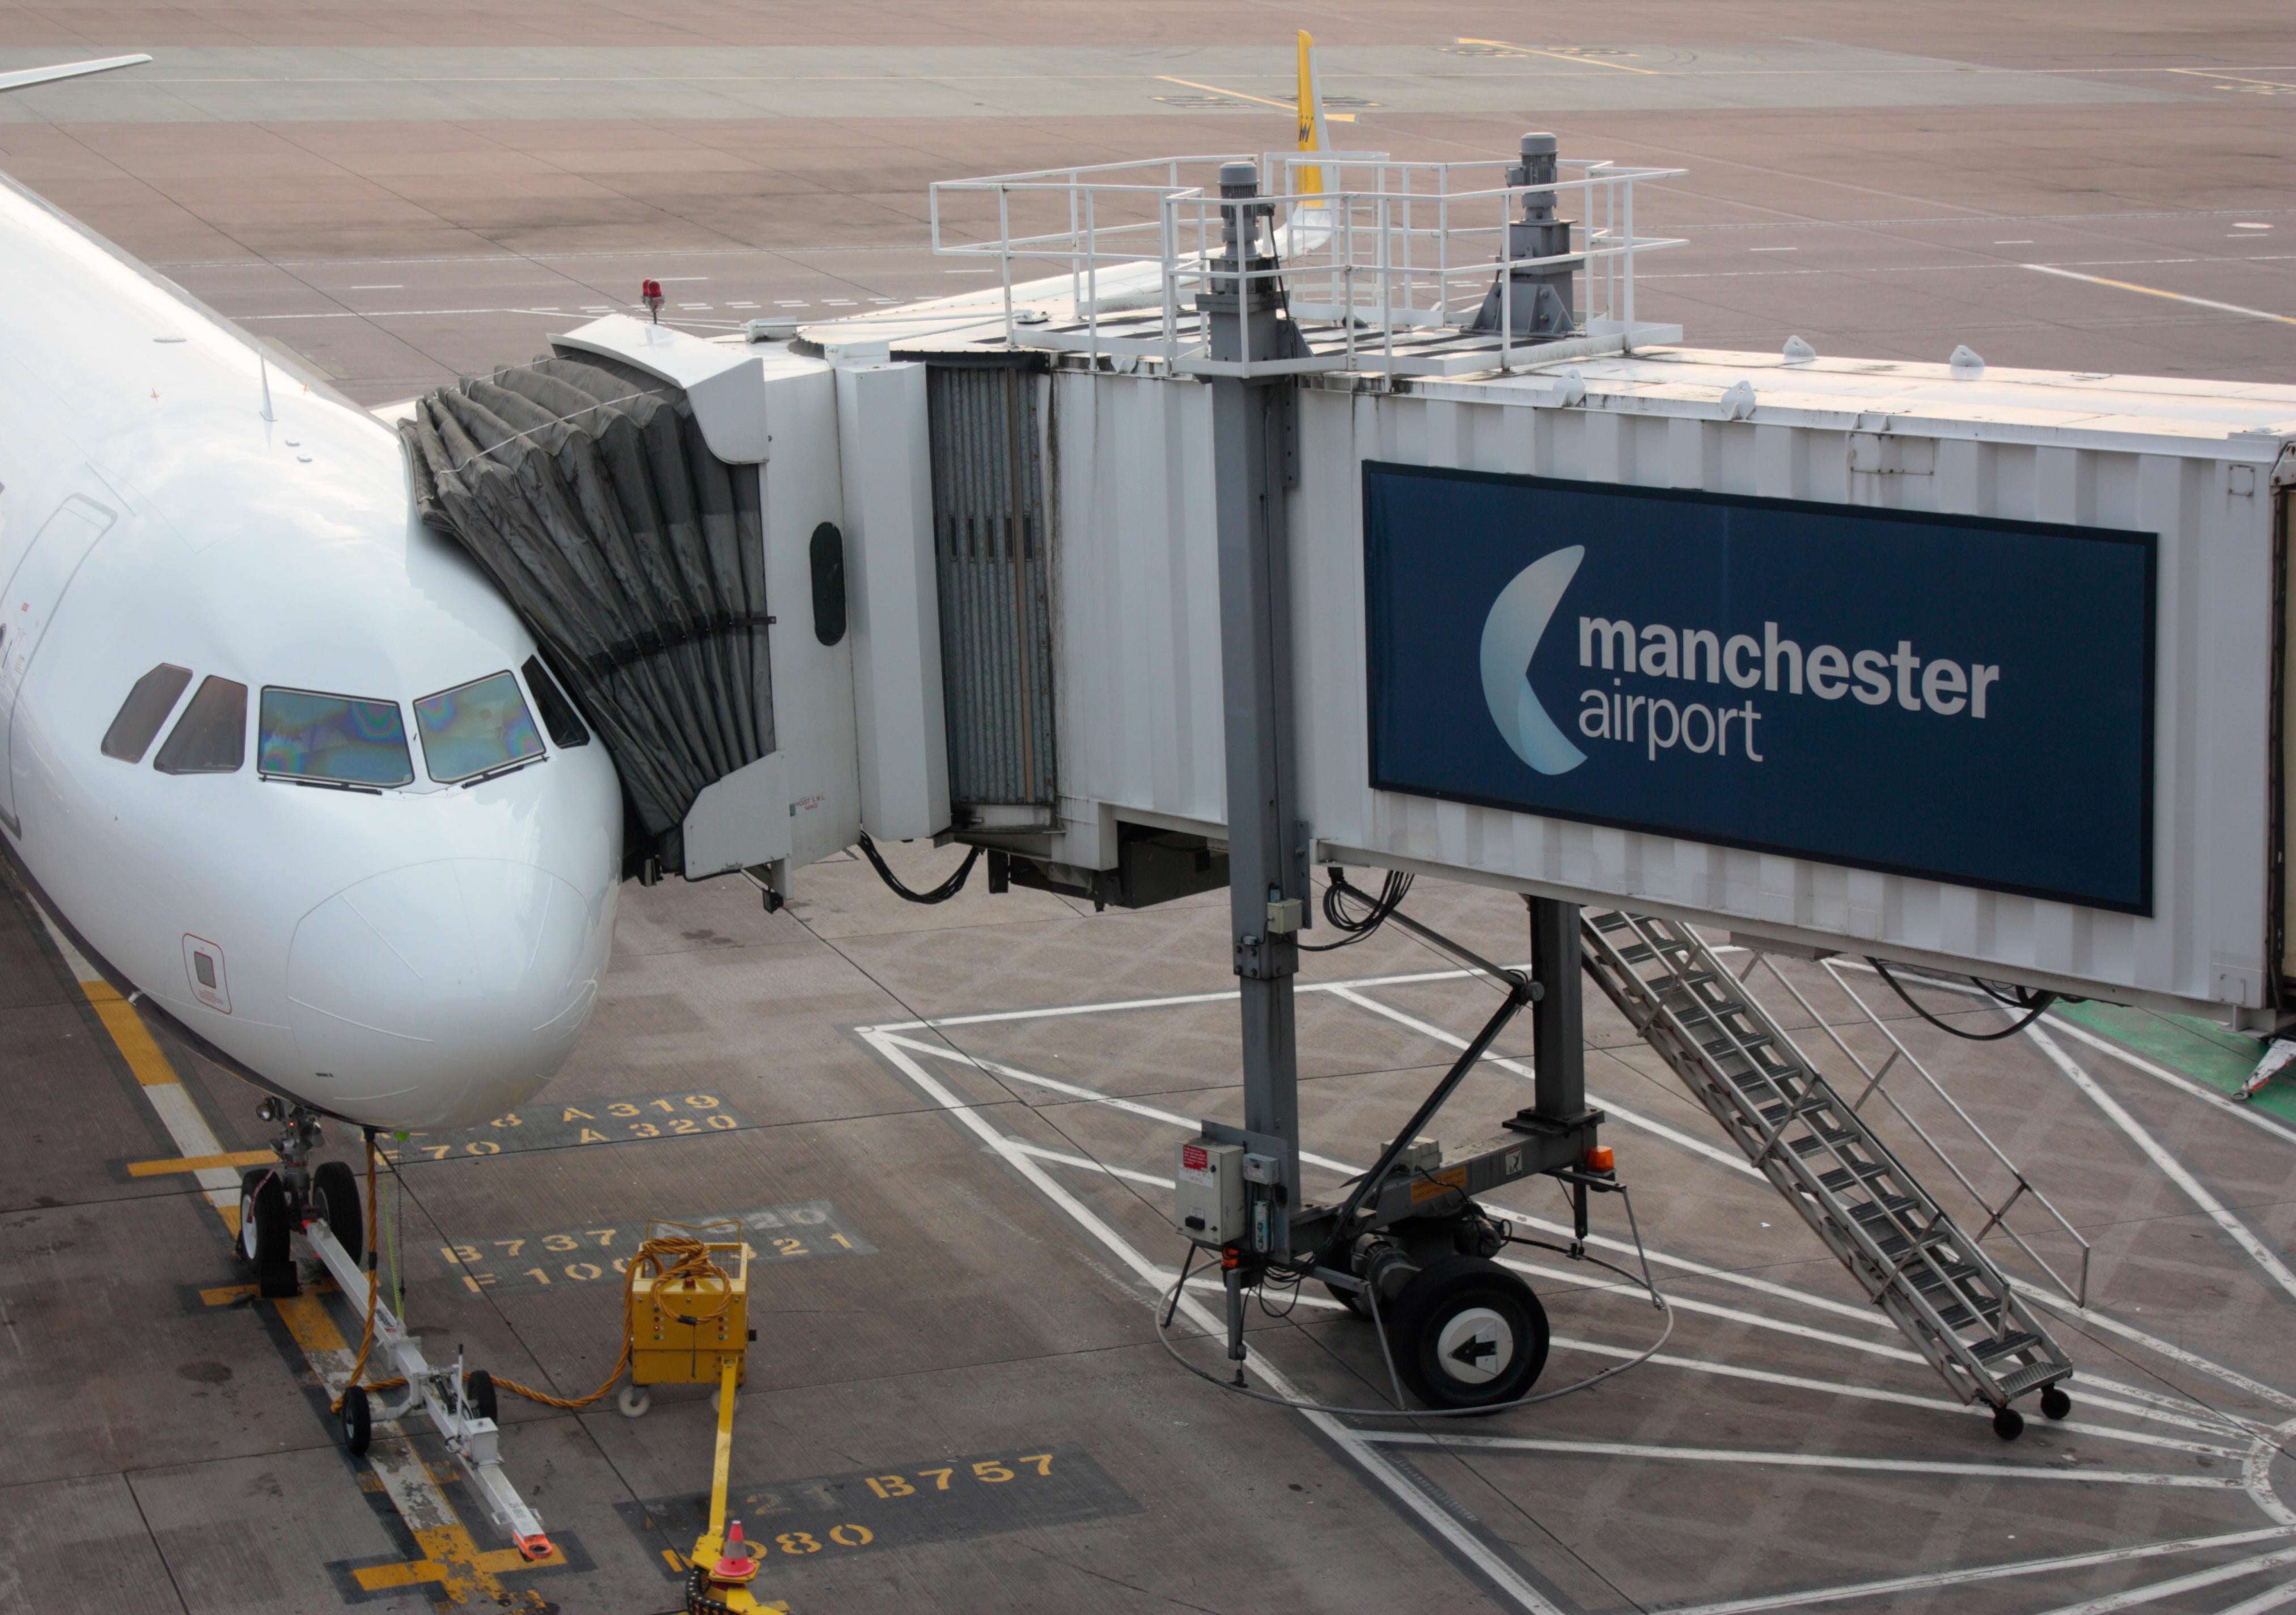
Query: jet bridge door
[992,553]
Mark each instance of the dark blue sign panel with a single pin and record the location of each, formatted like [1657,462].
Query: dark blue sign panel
[1962,699]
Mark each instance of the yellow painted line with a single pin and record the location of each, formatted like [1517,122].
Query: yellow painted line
[467,1572]
[2179,297]
[128,1031]
[1281,106]
[417,1572]
[199,1163]
[1505,45]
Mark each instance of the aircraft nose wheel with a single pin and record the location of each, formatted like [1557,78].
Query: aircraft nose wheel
[1468,1333]
[263,1232]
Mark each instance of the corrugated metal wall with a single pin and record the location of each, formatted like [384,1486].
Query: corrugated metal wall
[1140,660]
[995,611]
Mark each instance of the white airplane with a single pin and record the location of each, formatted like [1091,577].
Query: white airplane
[282,758]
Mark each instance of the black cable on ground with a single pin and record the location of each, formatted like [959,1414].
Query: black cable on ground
[942,893]
[1340,901]
[2036,1004]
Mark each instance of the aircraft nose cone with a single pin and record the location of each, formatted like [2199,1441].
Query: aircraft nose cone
[440,994]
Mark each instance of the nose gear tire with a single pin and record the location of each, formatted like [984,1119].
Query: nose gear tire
[263,1233]
[335,1196]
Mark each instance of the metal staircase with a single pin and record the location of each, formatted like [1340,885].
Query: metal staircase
[1958,1309]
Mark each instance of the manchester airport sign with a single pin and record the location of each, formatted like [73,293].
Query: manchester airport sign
[1957,698]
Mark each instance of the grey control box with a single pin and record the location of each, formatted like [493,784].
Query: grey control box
[1207,1192]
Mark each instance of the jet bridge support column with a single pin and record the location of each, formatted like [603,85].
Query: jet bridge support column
[1267,869]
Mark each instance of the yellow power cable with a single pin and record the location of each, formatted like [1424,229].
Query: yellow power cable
[669,1257]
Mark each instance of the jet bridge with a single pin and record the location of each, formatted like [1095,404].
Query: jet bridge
[1329,510]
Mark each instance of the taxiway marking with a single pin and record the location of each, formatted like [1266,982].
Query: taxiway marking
[2170,1166]
[1469,1545]
[429,1517]
[1825,1461]
[450,1556]
[200,1163]
[2179,297]
[2155,1592]
[2163,1410]
[1947,1579]
[1648,73]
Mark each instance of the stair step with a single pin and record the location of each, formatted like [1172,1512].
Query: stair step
[1864,1172]
[1958,1317]
[1925,1278]
[1610,922]
[1897,1245]
[2032,1376]
[1985,1351]
[1884,1210]
[1819,1139]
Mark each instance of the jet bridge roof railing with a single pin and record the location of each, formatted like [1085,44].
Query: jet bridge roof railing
[1386,264]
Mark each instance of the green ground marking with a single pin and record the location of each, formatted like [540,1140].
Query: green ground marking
[2199,1049]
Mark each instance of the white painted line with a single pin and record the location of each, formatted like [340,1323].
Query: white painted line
[1947,1578]
[2156,1591]
[2271,1598]
[2180,1416]
[2174,1353]
[1065,1159]
[1469,1546]
[2128,285]
[1452,1040]
[1170,1001]
[2208,1096]
[1867,1393]
[176,1113]
[1698,1365]
[2170,1167]
[1821,1460]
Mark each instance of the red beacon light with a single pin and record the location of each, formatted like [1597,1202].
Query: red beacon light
[650,293]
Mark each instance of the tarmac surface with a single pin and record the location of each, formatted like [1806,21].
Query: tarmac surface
[951,1129]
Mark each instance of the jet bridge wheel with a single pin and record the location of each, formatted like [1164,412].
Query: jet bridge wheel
[335,1196]
[263,1232]
[1466,1333]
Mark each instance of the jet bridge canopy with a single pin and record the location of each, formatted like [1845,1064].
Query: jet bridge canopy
[589,492]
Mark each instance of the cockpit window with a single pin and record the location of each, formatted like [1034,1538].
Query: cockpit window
[340,739]
[558,714]
[146,708]
[476,728]
[211,736]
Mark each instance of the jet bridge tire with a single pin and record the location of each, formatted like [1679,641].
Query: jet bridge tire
[356,1417]
[335,1196]
[1468,1333]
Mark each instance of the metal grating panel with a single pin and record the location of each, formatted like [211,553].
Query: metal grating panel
[996,616]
